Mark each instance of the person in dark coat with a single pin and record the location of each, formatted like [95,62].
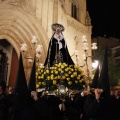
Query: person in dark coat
[55,102]
[80,105]
[21,108]
[57,50]
[41,108]
[116,108]
[99,104]
[71,107]
[97,107]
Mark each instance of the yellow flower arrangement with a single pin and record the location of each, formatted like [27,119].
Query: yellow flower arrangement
[69,75]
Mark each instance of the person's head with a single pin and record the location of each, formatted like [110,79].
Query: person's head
[73,95]
[117,93]
[34,95]
[111,92]
[84,93]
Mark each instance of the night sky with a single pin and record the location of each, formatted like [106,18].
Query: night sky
[105,17]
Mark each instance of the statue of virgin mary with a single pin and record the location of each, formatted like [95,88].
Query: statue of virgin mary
[57,49]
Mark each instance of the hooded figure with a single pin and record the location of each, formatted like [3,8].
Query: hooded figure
[21,108]
[21,85]
[57,50]
[104,77]
[32,81]
[98,106]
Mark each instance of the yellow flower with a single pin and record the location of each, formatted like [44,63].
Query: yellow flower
[52,71]
[68,79]
[52,77]
[37,85]
[36,73]
[56,77]
[43,83]
[78,77]
[76,69]
[47,71]
[69,83]
[62,66]
[66,75]
[62,71]
[75,66]
[56,72]
[80,81]
[59,77]
[51,68]
[75,73]
[42,67]
[48,77]
[42,77]
[72,76]
[39,77]
[76,81]
[66,69]
[44,72]
[55,68]
[54,82]
[69,72]
[63,77]
[56,64]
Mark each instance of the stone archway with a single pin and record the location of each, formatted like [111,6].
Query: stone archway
[8,63]
[18,26]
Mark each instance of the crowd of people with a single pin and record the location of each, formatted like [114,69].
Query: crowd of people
[86,105]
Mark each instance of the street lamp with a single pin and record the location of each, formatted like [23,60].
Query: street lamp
[86,56]
[95,64]
[37,51]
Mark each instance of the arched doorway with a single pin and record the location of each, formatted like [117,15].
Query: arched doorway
[8,63]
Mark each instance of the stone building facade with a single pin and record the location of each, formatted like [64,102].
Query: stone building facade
[21,19]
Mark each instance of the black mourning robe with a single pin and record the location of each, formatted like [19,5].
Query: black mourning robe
[21,108]
[54,48]
[116,109]
[42,109]
[98,110]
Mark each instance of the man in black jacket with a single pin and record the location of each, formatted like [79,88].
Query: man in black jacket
[97,106]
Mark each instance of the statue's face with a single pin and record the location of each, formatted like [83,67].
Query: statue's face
[58,31]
